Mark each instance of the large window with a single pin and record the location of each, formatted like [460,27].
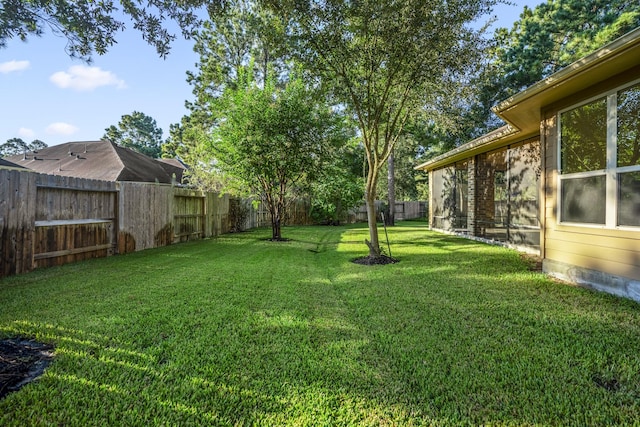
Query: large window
[600,161]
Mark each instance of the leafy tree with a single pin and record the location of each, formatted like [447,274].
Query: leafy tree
[271,139]
[13,146]
[170,148]
[244,34]
[545,39]
[406,179]
[190,142]
[340,186]
[558,32]
[91,26]
[386,61]
[36,145]
[138,132]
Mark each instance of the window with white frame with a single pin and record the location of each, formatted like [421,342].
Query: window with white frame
[599,167]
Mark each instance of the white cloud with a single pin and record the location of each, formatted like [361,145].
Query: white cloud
[84,78]
[26,133]
[60,128]
[11,66]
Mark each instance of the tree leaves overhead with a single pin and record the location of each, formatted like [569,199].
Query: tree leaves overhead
[557,33]
[544,40]
[92,26]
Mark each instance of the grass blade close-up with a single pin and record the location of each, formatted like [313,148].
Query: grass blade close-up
[239,330]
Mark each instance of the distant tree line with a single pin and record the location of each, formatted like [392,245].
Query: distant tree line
[15,146]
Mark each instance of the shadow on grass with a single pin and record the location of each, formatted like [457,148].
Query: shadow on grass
[233,331]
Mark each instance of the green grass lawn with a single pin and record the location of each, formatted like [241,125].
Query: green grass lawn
[242,331]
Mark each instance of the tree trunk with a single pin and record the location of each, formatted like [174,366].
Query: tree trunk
[279,213]
[391,190]
[276,233]
[370,202]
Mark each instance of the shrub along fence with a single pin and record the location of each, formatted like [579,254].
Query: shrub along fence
[48,220]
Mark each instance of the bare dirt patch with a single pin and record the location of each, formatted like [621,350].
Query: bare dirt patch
[21,361]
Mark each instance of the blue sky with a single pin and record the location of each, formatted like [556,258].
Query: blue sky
[46,95]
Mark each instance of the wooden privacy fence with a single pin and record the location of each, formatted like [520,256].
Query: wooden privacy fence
[48,220]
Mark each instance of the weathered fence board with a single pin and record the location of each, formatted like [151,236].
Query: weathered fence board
[62,242]
[75,219]
[188,214]
[145,215]
[18,217]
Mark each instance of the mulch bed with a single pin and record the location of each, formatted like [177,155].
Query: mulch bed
[375,260]
[21,361]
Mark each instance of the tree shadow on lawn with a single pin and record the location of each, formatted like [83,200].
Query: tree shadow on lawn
[354,347]
[129,385]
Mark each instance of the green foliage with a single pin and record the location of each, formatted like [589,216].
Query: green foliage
[239,331]
[340,186]
[407,179]
[92,26]
[584,138]
[189,142]
[15,146]
[245,34]
[138,132]
[556,33]
[36,145]
[629,126]
[271,139]
[385,61]
[545,39]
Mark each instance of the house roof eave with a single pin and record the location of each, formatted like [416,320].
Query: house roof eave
[498,138]
[523,109]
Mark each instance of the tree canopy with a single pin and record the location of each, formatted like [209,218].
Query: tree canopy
[386,62]
[92,26]
[138,132]
[15,146]
[244,34]
[272,138]
[544,40]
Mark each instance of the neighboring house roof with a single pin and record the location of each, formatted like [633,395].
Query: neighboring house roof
[103,160]
[522,111]
[7,164]
[174,167]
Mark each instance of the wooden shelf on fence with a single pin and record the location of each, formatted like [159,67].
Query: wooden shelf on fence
[60,222]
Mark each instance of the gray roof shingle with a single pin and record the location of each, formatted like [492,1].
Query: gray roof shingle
[102,160]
